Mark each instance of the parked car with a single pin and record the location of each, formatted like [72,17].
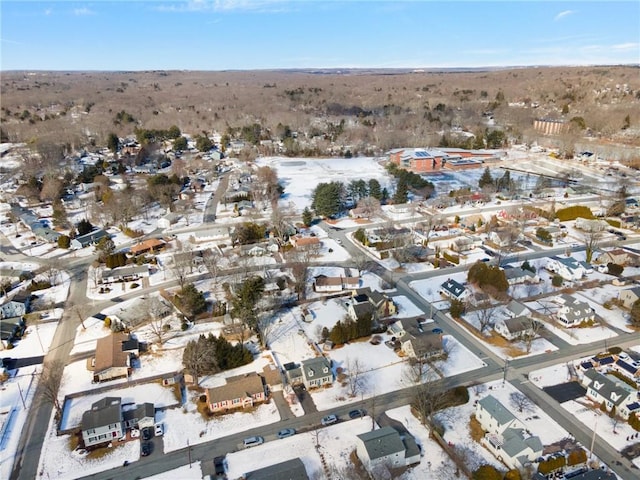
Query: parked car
[286,432]
[218,464]
[135,433]
[146,433]
[253,441]
[145,449]
[329,420]
[357,413]
[158,430]
[438,331]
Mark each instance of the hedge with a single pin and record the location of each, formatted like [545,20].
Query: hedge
[571,213]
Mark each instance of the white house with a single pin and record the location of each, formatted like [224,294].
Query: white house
[103,423]
[516,275]
[629,296]
[568,268]
[454,290]
[385,447]
[573,311]
[506,436]
[612,391]
[515,328]
[317,372]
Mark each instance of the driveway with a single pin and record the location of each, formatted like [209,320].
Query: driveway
[305,399]
[565,391]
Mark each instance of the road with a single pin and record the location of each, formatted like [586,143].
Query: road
[33,434]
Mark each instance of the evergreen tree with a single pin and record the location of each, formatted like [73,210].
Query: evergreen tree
[328,199]
[84,226]
[374,189]
[113,142]
[402,192]
[307,217]
[486,180]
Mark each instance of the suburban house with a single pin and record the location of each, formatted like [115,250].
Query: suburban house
[416,340]
[385,447]
[169,219]
[312,373]
[290,470]
[299,241]
[140,416]
[213,233]
[366,301]
[11,329]
[463,244]
[12,309]
[325,284]
[611,391]
[125,274]
[506,436]
[627,366]
[568,268]
[151,245]
[113,357]
[629,296]
[573,312]
[591,225]
[515,328]
[239,392]
[87,239]
[503,237]
[516,309]
[516,275]
[454,290]
[103,423]
[619,256]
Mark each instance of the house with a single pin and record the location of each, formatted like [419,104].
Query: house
[103,423]
[214,233]
[325,284]
[503,237]
[11,329]
[125,274]
[627,366]
[516,328]
[140,416]
[454,290]
[87,239]
[629,296]
[568,268]
[466,243]
[417,341]
[381,447]
[169,219]
[12,309]
[591,225]
[516,309]
[310,243]
[516,275]
[573,312]
[364,301]
[113,357]
[292,469]
[239,392]
[152,245]
[317,372]
[619,256]
[611,391]
[506,436]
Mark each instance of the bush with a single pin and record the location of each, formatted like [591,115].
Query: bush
[614,269]
[487,472]
[39,285]
[557,280]
[457,308]
[134,285]
[551,465]
[64,241]
[571,213]
[107,322]
[576,457]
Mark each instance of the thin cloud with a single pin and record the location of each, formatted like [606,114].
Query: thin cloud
[563,14]
[12,42]
[83,11]
[227,6]
[626,46]
[48,11]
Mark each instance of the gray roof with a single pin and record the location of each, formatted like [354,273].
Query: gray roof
[315,367]
[125,271]
[518,324]
[91,237]
[634,290]
[382,442]
[515,442]
[104,412]
[517,308]
[614,390]
[496,410]
[144,410]
[454,288]
[517,272]
[289,470]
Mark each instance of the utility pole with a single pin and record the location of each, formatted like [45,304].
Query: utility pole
[593,437]
[506,367]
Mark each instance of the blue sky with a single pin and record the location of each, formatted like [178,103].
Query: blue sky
[265,34]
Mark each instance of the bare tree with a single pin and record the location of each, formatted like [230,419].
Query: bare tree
[52,271]
[299,260]
[369,206]
[520,401]
[355,378]
[50,384]
[157,311]
[211,258]
[197,358]
[591,239]
[429,398]
[486,316]
[181,267]
[534,329]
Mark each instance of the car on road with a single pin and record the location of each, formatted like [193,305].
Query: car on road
[135,433]
[158,430]
[145,449]
[218,464]
[146,433]
[253,441]
[357,413]
[439,331]
[338,241]
[329,420]
[286,432]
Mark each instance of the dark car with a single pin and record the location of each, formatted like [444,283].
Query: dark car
[145,449]
[356,413]
[286,432]
[146,433]
[437,331]
[218,464]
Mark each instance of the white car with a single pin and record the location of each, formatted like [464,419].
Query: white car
[338,241]
[158,430]
[135,433]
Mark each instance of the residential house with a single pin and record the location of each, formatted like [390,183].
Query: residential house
[573,312]
[454,290]
[113,357]
[325,284]
[103,423]
[87,239]
[416,339]
[591,225]
[629,296]
[11,329]
[503,237]
[125,274]
[619,256]
[516,328]
[213,233]
[239,392]
[466,243]
[568,268]
[385,447]
[152,245]
[292,469]
[317,372]
[140,416]
[627,366]
[12,309]
[516,275]
[516,309]
[611,391]
[506,436]
[365,301]
[300,241]
[169,219]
